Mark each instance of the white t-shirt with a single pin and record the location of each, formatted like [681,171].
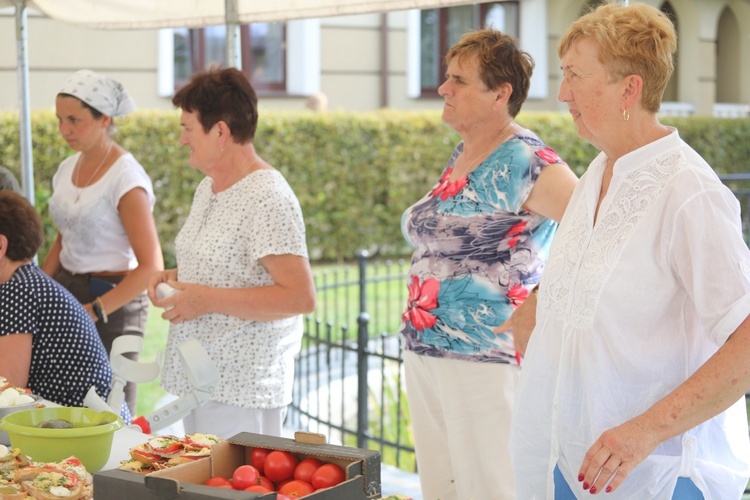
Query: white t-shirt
[93,237]
[219,245]
[628,309]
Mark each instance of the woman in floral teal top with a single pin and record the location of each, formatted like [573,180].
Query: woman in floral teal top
[481,237]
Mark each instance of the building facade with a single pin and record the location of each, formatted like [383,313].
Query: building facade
[373,61]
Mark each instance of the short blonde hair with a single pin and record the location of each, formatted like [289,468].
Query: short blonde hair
[633,40]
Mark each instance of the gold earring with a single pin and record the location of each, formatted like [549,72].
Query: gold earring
[625,115]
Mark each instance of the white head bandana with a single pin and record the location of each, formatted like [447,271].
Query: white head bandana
[100,92]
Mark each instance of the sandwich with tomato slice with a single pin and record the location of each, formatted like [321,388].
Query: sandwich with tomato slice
[72,464]
[52,482]
[12,459]
[161,452]
[137,466]
[199,442]
[8,489]
[165,446]
[11,491]
[157,450]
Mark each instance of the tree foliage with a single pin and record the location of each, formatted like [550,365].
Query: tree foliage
[354,173]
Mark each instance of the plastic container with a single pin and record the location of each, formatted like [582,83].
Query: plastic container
[164,290]
[90,439]
[7,410]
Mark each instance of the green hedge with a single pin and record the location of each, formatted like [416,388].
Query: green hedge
[354,173]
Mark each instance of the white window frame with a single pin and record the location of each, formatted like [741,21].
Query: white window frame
[532,26]
[302,59]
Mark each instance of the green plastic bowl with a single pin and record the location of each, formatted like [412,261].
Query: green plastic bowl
[90,439]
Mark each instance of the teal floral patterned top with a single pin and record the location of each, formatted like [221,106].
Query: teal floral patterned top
[478,253]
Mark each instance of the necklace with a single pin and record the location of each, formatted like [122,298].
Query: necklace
[247,169]
[78,172]
[477,159]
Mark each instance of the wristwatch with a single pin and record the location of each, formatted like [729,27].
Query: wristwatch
[98,309]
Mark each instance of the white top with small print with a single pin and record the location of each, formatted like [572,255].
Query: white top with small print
[220,245]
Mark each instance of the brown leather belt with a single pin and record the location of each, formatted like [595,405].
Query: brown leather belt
[110,273]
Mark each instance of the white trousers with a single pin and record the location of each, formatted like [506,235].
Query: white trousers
[461,414]
[225,420]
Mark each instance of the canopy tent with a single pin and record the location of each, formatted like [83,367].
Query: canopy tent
[153,14]
[140,14]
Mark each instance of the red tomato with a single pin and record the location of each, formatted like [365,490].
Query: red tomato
[281,496]
[258,489]
[218,482]
[172,448]
[72,461]
[165,444]
[71,478]
[305,469]
[327,475]
[296,489]
[279,465]
[258,458]
[244,476]
[264,481]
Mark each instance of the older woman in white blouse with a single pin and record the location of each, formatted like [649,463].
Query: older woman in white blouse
[243,276]
[634,376]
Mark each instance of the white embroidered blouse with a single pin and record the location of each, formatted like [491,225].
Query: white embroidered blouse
[629,307]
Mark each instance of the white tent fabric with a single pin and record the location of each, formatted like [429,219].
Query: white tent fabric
[142,14]
[152,14]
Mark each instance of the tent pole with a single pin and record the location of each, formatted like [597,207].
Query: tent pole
[24,115]
[234,48]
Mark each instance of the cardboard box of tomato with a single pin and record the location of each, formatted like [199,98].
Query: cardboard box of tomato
[186,482]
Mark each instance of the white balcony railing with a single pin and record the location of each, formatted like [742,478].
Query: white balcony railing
[731,110]
[720,109]
[673,108]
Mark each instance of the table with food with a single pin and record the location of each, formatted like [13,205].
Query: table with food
[52,452]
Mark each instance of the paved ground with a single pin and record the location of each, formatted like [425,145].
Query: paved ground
[397,482]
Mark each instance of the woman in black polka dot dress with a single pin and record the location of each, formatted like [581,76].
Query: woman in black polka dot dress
[48,342]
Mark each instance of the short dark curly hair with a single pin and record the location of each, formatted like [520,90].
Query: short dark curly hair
[21,225]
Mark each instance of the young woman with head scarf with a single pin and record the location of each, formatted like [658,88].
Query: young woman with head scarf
[107,246]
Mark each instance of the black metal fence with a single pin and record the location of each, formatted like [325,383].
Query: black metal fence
[349,381]
[349,377]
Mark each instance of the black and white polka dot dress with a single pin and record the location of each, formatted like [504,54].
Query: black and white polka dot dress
[67,356]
